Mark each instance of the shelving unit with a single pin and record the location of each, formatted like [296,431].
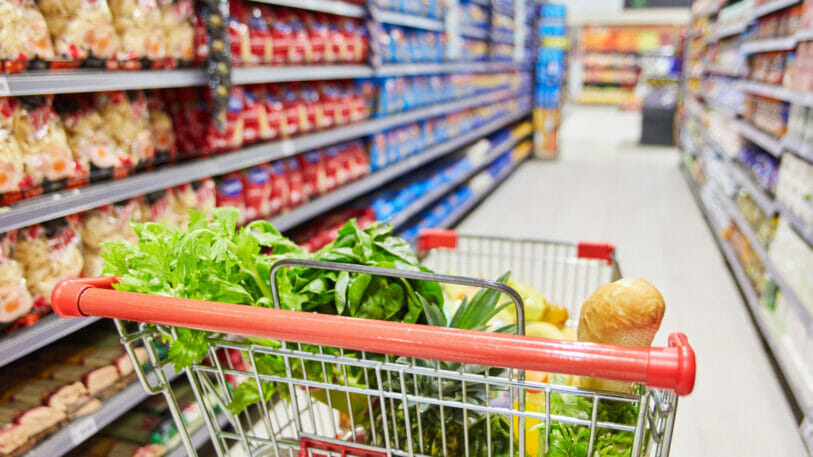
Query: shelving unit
[701,148]
[79,430]
[424,202]
[50,329]
[67,202]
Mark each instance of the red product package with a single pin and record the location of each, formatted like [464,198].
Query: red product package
[231,137]
[360,163]
[230,193]
[293,171]
[299,47]
[335,110]
[191,119]
[280,189]
[336,40]
[201,38]
[314,108]
[260,35]
[313,173]
[239,37]
[335,175]
[274,113]
[295,118]
[257,191]
[355,39]
[318,36]
[205,194]
[281,36]
[255,121]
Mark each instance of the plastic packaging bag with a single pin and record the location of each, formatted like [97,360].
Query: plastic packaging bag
[179,33]
[81,28]
[43,142]
[94,149]
[103,224]
[140,28]
[49,253]
[23,32]
[125,118]
[11,158]
[15,301]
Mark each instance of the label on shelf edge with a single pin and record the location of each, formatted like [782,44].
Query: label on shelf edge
[82,430]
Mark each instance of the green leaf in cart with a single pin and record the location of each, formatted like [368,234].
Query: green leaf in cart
[190,348]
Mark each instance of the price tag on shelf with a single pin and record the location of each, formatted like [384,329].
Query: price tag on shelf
[82,430]
[4,89]
[288,148]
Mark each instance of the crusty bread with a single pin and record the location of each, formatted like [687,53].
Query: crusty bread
[627,312]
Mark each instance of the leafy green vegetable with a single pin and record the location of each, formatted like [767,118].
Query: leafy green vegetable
[570,440]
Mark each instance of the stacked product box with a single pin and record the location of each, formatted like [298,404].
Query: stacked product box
[550,78]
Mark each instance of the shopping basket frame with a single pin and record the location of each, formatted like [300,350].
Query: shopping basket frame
[671,368]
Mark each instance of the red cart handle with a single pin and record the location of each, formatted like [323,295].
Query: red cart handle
[666,368]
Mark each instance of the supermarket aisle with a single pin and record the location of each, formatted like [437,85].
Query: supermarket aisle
[606,187]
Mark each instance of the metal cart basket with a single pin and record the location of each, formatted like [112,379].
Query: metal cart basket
[354,387]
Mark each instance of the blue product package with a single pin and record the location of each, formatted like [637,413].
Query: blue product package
[378,151]
[410,233]
[393,146]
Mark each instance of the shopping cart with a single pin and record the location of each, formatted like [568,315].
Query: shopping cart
[367,388]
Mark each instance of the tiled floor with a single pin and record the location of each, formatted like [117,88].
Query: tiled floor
[607,187]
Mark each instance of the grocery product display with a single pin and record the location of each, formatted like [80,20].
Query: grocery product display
[122,112]
[744,138]
[551,69]
[617,59]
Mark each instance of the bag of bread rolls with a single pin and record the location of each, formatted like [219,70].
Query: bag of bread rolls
[93,147]
[34,419]
[43,143]
[179,34]
[103,224]
[11,157]
[49,253]
[15,300]
[627,312]
[163,130]
[81,29]
[125,118]
[23,32]
[140,29]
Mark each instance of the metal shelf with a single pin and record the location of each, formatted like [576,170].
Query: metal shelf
[728,30]
[769,143]
[768,44]
[724,71]
[423,202]
[473,32]
[80,429]
[799,148]
[790,373]
[769,7]
[766,262]
[324,6]
[73,81]
[804,230]
[464,209]
[407,69]
[760,195]
[27,340]
[771,90]
[374,181]
[60,204]
[409,20]
[267,74]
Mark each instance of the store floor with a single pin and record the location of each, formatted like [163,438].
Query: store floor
[607,187]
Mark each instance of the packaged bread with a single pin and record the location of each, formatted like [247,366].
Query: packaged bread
[160,208]
[93,147]
[205,191]
[179,33]
[23,32]
[60,394]
[34,419]
[81,29]
[12,168]
[103,224]
[139,26]
[13,436]
[162,129]
[43,143]
[48,253]
[15,300]
[627,312]
[125,118]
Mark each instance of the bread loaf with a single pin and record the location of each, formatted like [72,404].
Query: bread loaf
[627,312]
